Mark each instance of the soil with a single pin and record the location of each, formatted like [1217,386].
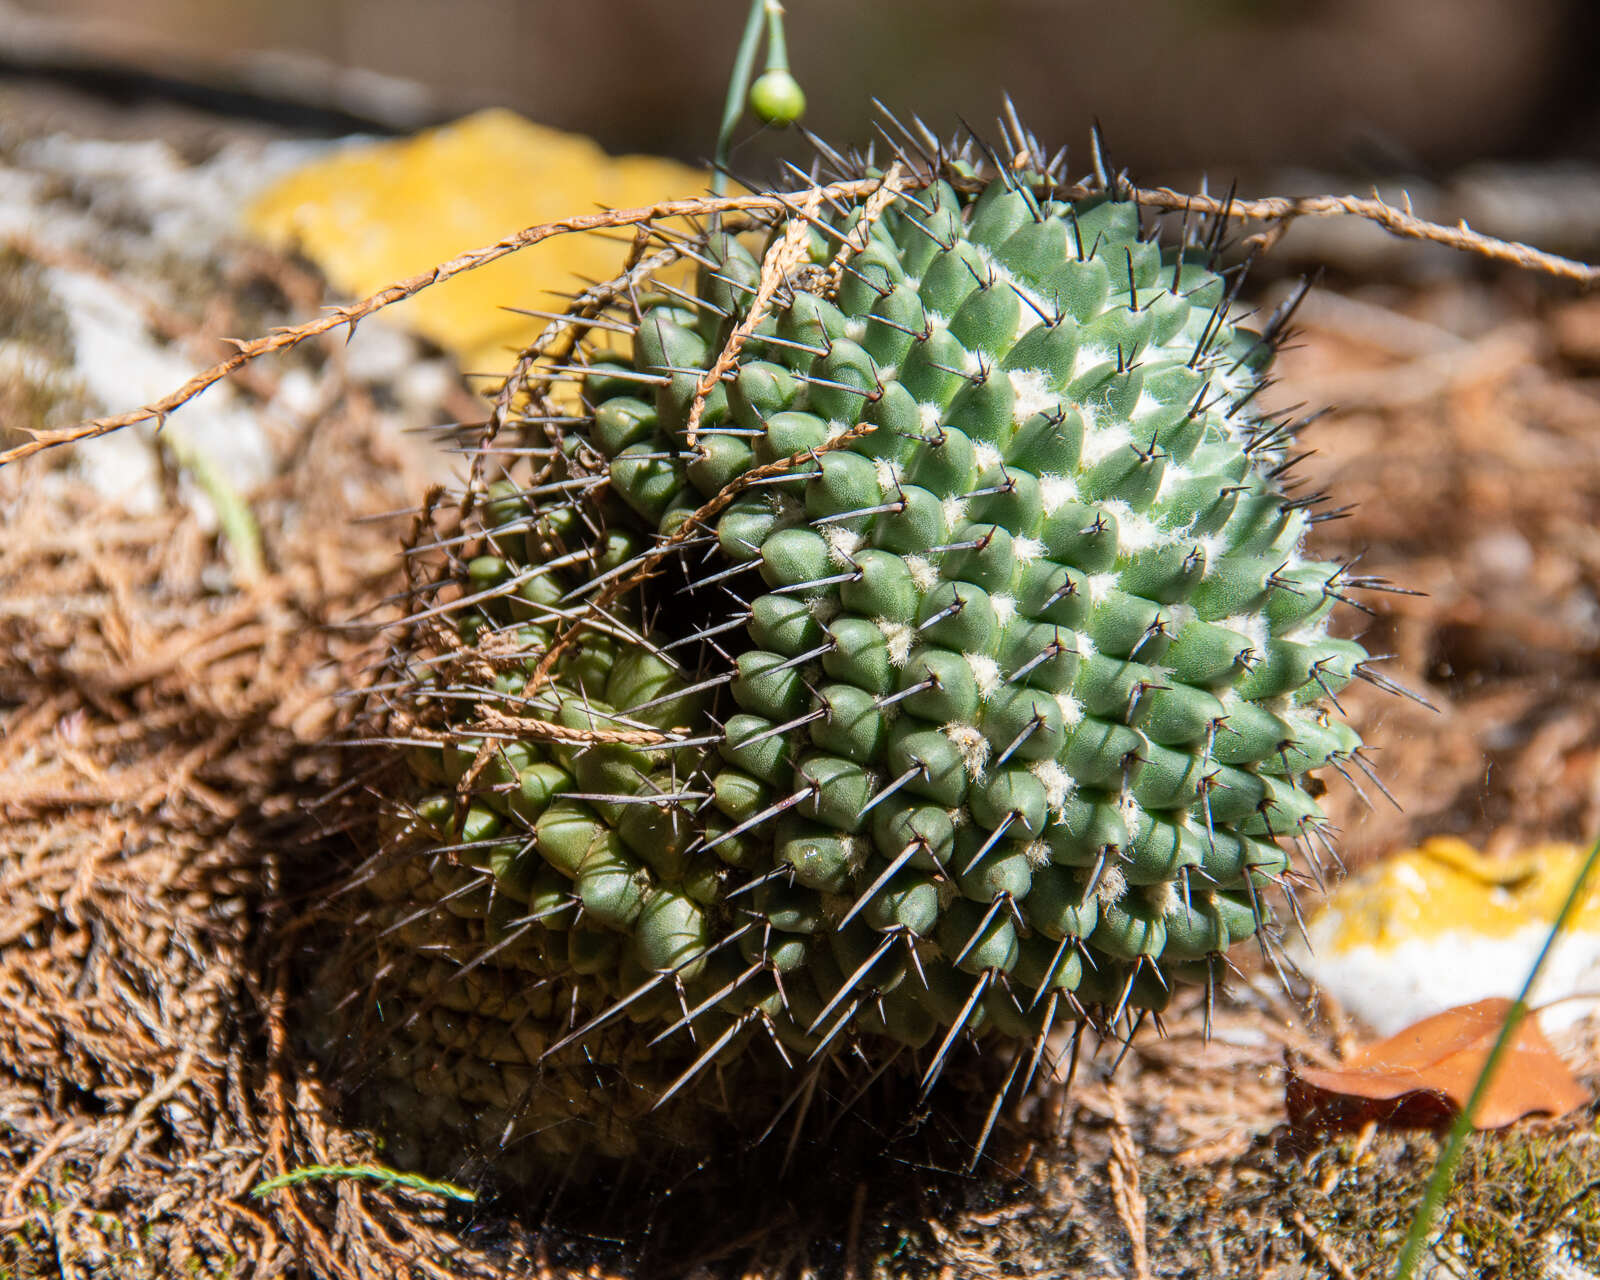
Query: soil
[166,733]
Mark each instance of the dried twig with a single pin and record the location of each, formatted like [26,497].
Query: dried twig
[1322,1247]
[1126,1193]
[1397,222]
[786,253]
[1273,210]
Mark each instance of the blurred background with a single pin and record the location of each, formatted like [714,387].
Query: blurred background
[1240,87]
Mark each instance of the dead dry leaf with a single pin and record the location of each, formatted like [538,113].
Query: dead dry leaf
[1440,1058]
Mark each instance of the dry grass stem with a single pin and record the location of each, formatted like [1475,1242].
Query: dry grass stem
[1276,211]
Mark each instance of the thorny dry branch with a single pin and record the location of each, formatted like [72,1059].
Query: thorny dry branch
[1276,211]
[785,254]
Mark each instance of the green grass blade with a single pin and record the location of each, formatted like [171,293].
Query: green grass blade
[371,1172]
[1444,1172]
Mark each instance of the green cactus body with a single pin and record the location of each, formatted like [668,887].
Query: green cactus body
[959,678]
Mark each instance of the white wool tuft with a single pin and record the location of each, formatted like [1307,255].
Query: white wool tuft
[1100,442]
[1252,626]
[1161,895]
[985,673]
[1058,783]
[855,328]
[1174,476]
[986,455]
[1004,606]
[1101,585]
[923,575]
[890,475]
[954,510]
[1144,406]
[1179,616]
[1071,708]
[1056,491]
[824,608]
[1113,884]
[1131,813]
[899,637]
[1031,394]
[1137,531]
[1091,357]
[972,745]
[842,544]
[929,418]
[1026,550]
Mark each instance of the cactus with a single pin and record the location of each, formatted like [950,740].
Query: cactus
[899,639]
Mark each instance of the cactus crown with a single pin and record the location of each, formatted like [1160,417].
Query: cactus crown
[898,636]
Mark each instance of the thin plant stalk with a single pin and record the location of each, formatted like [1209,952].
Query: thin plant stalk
[744,63]
[370,1172]
[1444,1171]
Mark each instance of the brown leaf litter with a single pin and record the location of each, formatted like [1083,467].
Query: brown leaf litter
[1426,1073]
